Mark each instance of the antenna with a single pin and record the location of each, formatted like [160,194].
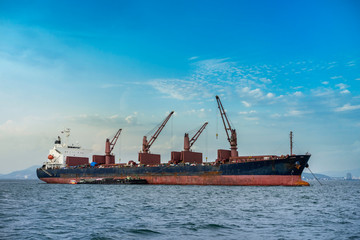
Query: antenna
[291,143]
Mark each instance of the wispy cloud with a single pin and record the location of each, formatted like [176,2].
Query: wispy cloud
[342,86]
[246,113]
[214,76]
[246,104]
[270,95]
[255,95]
[347,107]
[265,80]
[275,115]
[132,118]
[298,94]
[201,113]
[100,120]
[297,87]
[322,91]
[177,88]
[292,113]
[193,58]
[260,85]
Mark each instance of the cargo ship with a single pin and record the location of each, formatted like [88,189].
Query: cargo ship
[69,164]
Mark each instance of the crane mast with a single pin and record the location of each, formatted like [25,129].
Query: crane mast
[188,143]
[109,146]
[230,132]
[147,144]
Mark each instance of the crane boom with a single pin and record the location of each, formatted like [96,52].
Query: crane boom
[230,132]
[188,143]
[114,140]
[147,144]
[109,146]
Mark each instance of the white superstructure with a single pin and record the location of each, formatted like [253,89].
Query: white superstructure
[61,150]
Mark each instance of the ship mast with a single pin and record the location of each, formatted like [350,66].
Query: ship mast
[66,131]
[230,132]
[291,143]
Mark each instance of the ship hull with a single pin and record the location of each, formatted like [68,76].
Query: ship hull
[248,180]
[282,171]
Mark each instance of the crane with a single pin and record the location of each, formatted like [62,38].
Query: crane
[109,146]
[188,143]
[230,132]
[147,144]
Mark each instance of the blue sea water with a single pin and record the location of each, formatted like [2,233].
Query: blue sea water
[35,210]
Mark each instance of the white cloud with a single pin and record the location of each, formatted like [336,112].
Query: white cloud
[347,107]
[325,82]
[345,91]
[249,112]
[298,94]
[270,95]
[246,104]
[275,115]
[357,79]
[292,113]
[100,120]
[177,88]
[131,119]
[265,80]
[336,77]
[201,113]
[298,87]
[193,58]
[321,92]
[255,93]
[342,86]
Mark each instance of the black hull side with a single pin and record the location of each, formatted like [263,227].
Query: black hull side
[281,166]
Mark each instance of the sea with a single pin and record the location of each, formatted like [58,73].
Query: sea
[31,209]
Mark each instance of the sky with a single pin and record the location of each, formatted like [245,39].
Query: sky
[97,66]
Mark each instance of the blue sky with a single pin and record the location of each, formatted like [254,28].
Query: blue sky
[96,66]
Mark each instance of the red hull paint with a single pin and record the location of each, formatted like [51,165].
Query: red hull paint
[228,180]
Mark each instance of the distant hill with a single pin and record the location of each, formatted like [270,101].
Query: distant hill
[309,176]
[29,173]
